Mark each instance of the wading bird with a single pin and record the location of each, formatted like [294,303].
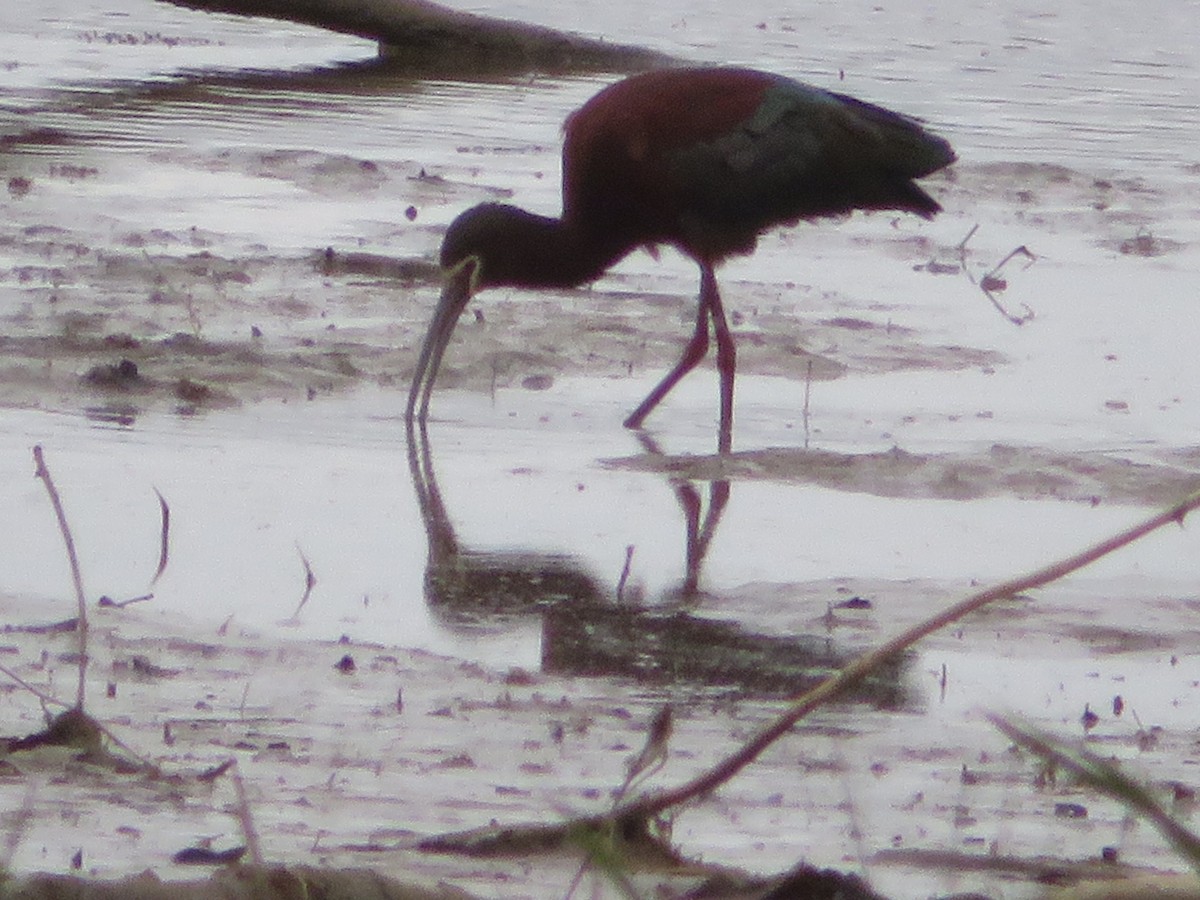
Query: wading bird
[704,160]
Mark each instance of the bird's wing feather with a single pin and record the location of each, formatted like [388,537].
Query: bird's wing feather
[803,153]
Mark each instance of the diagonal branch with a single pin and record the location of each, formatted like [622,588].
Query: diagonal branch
[652,804]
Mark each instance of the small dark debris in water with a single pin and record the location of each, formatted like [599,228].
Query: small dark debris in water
[122,375]
[993,283]
[255,332]
[854,603]
[968,777]
[1116,405]
[206,856]
[1141,244]
[140,665]
[1181,793]
[109,603]
[1110,854]
[933,267]
[399,701]
[216,771]
[1089,719]
[479,319]
[346,665]
[110,690]
[1070,811]
[77,859]
[1118,705]
[192,391]
[411,213]
[19,186]
[537,382]
[518,676]
[121,341]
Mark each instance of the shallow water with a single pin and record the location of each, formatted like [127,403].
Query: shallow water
[171,172]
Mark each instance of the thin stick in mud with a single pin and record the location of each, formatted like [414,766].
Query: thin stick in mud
[164,542]
[81,623]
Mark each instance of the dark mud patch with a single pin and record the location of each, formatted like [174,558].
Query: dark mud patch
[1031,473]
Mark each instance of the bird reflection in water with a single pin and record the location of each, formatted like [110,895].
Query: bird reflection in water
[586,631]
[466,586]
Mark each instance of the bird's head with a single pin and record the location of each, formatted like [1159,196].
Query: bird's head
[472,245]
[497,245]
[505,246]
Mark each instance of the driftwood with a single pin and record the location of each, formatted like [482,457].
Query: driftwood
[422,35]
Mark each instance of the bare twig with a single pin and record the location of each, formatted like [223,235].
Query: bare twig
[121,604]
[41,695]
[249,832]
[624,574]
[991,283]
[653,755]
[807,397]
[81,623]
[962,245]
[164,540]
[310,582]
[836,685]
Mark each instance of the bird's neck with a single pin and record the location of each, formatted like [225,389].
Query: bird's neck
[533,251]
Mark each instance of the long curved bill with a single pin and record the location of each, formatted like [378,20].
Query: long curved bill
[455,294]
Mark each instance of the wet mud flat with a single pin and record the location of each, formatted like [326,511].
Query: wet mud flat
[351,754]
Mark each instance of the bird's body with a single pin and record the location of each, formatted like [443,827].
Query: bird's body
[704,160]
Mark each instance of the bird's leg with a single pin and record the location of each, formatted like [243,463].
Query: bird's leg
[692,354]
[710,299]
